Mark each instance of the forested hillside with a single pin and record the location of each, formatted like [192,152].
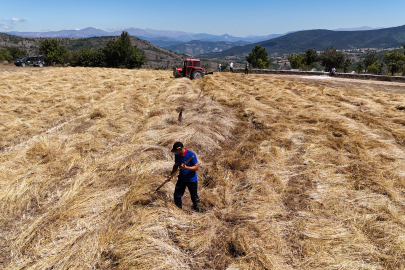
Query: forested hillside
[319,40]
[157,57]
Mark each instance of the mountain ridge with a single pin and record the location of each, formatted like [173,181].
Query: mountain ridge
[147,34]
[320,39]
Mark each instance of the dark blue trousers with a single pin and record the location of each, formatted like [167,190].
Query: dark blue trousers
[181,188]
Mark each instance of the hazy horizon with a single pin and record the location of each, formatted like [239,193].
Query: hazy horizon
[236,18]
[361,28]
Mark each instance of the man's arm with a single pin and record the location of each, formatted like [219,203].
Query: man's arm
[183,166]
[175,167]
[195,167]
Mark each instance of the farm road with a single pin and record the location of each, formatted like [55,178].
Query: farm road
[374,84]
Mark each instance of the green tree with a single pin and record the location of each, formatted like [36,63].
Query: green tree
[121,53]
[16,53]
[53,51]
[332,58]
[346,64]
[88,58]
[359,68]
[311,57]
[369,59]
[5,55]
[259,58]
[67,57]
[395,62]
[296,60]
[375,68]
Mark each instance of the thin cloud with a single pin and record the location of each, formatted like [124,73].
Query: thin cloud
[17,20]
[9,24]
[5,27]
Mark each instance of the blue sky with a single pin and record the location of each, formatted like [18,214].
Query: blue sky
[238,18]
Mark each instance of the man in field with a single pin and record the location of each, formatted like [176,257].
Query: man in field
[187,175]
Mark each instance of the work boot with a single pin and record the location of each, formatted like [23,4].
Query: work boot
[196,204]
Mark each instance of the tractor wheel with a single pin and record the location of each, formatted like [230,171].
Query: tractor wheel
[197,75]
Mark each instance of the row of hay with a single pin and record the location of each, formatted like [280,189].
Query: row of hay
[294,175]
[339,178]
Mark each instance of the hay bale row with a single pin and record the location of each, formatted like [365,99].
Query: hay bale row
[294,174]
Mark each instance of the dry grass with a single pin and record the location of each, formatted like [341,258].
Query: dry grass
[294,174]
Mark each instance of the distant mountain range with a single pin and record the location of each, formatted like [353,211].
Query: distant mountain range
[207,45]
[319,40]
[178,36]
[159,38]
[94,32]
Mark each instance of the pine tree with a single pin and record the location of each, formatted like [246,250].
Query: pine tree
[259,58]
[121,53]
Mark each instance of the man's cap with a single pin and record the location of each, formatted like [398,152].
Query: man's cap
[177,146]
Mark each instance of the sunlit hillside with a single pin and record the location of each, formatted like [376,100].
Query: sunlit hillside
[294,173]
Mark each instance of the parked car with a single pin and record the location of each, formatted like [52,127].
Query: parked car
[31,61]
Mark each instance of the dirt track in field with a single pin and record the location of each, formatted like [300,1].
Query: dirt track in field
[339,81]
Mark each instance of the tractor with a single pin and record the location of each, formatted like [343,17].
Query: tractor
[191,69]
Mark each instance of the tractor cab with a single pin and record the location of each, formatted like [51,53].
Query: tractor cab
[190,65]
[191,69]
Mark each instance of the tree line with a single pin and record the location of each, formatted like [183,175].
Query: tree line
[11,53]
[121,54]
[116,54]
[392,62]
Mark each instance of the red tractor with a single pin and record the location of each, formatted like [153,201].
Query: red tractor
[191,69]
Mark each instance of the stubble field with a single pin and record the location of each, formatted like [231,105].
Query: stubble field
[294,173]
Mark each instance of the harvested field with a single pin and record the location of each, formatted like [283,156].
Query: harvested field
[294,173]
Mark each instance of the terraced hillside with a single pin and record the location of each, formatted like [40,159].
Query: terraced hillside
[295,173]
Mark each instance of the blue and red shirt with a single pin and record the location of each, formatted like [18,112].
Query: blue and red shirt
[186,175]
